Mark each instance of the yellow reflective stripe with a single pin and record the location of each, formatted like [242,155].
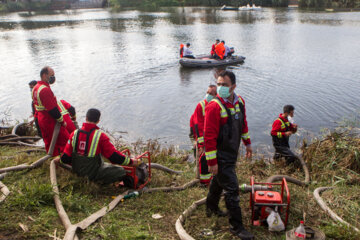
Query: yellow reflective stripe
[126,161]
[73,140]
[200,140]
[232,111]
[60,119]
[210,155]
[94,143]
[205,176]
[39,107]
[62,108]
[202,103]
[287,124]
[223,112]
[282,123]
[245,136]
[279,135]
[237,108]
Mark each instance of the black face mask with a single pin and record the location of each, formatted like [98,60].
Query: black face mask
[51,79]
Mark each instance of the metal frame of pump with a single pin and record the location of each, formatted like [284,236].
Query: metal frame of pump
[268,200]
[131,171]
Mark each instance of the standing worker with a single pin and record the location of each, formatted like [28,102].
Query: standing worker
[225,126]
[212,52]
[69,114]
[32,84]
[281,130]
[47,111]
[85,149]
[199,120]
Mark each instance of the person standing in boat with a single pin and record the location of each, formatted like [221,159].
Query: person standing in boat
[227,50]
[187,52]
[213,47]
[281,130]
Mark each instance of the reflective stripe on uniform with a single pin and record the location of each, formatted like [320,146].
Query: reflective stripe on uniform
[126,161]
[200,140]
[74,140]
[63,110]
[94,143]
[202,103]
[60,119]
[279,135]
[39,107]
[240,100]
[205,176]
[245,136]
[210,155]
[283,124]
[223,113]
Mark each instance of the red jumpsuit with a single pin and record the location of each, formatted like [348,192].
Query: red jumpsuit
[45,102]
[199,119]
[64,107]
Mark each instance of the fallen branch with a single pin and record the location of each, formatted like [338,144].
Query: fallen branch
[4,190]
[324,206]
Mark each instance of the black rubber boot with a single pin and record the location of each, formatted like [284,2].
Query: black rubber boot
[242,233]
[217,212]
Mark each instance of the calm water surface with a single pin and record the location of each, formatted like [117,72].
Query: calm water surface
[126,64]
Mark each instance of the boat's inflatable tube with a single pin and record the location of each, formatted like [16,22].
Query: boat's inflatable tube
[207,62]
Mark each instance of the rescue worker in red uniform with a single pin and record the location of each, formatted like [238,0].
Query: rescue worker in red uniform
[225,126]
[212,52]
[47,111]
[281,130]
[199,120]
[69,114]
[87,146]
[220,51]
[32,84]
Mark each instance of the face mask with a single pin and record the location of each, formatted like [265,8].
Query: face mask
[51,79]
[223,91]
[209,97]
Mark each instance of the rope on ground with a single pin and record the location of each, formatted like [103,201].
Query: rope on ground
[41,160]
[181,220]
[4,190]
[324,206]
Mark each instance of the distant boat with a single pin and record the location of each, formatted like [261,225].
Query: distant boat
[229,8]
[205,61]
[249,8]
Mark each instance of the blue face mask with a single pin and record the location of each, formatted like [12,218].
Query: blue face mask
[224,92]
[209,97]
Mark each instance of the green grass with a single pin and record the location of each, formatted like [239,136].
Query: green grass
[31,199]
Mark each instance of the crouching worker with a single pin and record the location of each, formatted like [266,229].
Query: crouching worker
[87,146]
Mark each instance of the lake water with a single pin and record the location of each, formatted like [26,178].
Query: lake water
[126,64]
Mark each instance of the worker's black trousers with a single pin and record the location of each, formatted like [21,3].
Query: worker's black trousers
[226,180]
[284,151]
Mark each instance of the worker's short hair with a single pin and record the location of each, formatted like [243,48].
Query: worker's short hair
[32,83]
[223,41]
[44,70]
[93,115]
[188,44]
[217,40]
[288,108]
[230,74]
[212,85]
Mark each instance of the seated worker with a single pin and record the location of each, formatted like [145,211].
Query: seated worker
[87,146]
[281,130]
[220,51]
[199,121]
[227,49]
[212,52]
[181,50]
[187,52]
[69,114]
[231,52]
[33,111]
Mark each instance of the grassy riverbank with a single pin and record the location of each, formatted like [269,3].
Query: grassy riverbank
[333,161]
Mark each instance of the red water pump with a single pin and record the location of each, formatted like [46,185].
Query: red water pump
[140,174]
[263,200]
